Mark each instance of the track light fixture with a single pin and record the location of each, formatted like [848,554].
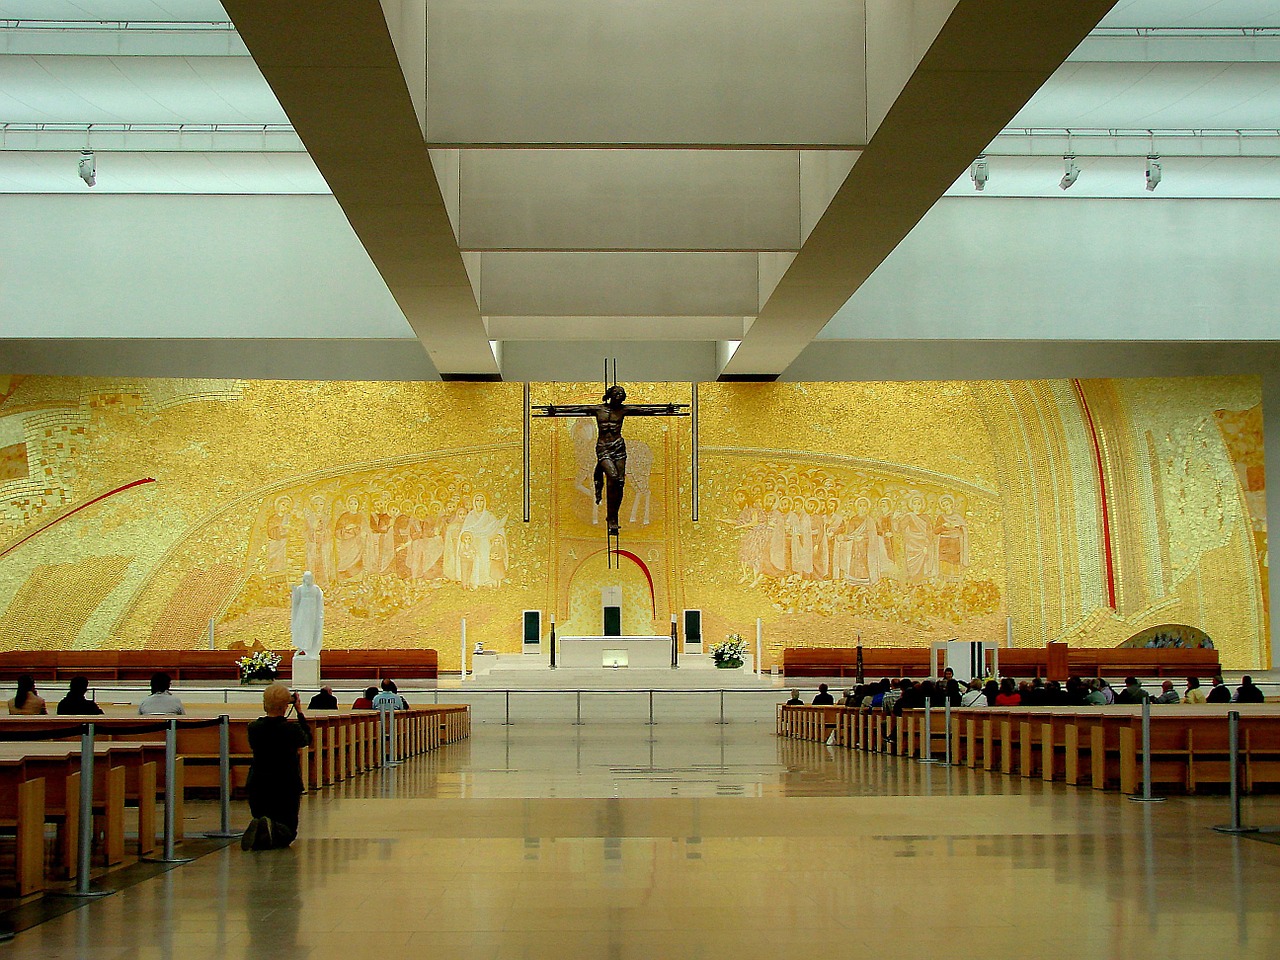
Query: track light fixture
[88,167]
[1071,172]
[1153,172]
[980,173]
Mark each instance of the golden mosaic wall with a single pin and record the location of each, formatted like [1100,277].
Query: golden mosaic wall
[134,511]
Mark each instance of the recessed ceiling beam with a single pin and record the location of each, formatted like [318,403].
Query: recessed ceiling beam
[986,61]
[335,70]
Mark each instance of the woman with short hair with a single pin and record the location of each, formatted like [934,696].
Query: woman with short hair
[275,773]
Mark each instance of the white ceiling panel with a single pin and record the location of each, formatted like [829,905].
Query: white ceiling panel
[1161,95]
[1193,13]
[630,199]
[531,72]
[171,11]
[135,90]
[162,173]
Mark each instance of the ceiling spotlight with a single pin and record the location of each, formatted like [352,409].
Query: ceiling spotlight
[87,168]
[980,173]
[1071,172]
[1153,172]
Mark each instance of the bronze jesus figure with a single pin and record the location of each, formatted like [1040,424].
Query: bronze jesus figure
[611,450]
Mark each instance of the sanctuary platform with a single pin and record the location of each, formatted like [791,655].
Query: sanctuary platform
[533,672]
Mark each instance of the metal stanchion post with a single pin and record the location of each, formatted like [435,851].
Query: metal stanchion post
[506,696]
[84,839]
[388,718]
[1146,796]
[224,780]
[947,718]
[1233,745]
[578,699]
[651,708]
[170,794]
[926,747]
[721,720]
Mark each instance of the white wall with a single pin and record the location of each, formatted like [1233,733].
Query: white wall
[1069,269]
[187,266]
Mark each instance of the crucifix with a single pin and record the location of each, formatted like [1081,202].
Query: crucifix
[611,450]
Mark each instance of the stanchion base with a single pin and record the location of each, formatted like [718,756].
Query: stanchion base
[222,835]
[1227,828]
[1138,798]
[927,760]
[173,860]
[81,894]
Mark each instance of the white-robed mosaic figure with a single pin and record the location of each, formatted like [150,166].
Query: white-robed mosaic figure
[307,618]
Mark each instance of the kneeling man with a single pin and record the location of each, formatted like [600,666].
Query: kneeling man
[275,774]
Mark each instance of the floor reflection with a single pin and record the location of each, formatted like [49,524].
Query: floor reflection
[702,841]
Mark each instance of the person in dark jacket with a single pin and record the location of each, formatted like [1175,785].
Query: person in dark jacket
[75,703]
[1132,692]
[275,773]
[1248,693]
[1220,692]
[823,699]
[991,690]
[324,700]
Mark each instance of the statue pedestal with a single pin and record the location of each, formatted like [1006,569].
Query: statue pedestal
[306,672]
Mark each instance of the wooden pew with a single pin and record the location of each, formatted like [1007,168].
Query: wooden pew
[22,813]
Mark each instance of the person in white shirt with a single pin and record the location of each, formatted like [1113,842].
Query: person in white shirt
[161,700]
[974,697]
[389,698]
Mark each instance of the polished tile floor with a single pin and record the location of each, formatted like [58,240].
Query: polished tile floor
[701,841]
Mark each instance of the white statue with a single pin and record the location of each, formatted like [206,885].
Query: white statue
[307,619]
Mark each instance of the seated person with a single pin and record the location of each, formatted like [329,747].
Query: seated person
[1008,695]
[324,700]
[1095,697]
[161,700]
[911,697]
[823,699]
[1247,692]
[389,698]
[1194,694]
[1220,692]
[75,703]
[973,695]
[365,702]
[1132,692]
[991,690]
[26,702]
[795,700]
[275,773]
[1167,694]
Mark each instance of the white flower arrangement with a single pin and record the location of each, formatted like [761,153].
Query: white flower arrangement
[259,665]
[729,652]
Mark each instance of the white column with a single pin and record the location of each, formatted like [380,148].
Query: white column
[464,648]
